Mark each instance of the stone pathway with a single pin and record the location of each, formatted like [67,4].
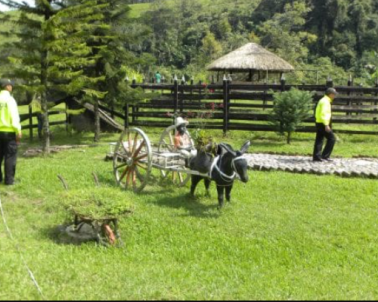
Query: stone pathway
[346,167]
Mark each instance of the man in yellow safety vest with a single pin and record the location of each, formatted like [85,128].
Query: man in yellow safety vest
[323,116]
[10,131]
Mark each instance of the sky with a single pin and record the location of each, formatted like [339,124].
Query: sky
[5,8]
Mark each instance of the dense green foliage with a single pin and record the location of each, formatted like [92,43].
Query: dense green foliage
[96,203]
[335,37]
[290,109]
[71,48]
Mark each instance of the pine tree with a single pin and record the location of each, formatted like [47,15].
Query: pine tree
[107,50]
[72,58]
[290,109]
[30,63]
[107,44]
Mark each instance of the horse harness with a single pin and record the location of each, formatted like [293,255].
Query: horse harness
[226,178]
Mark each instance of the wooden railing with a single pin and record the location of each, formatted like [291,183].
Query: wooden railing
[29,116]
[243,106]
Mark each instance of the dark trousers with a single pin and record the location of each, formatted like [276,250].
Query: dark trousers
[8,153]
[321,133]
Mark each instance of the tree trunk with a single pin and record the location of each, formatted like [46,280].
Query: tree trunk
[97,122]
[288,138]
[44,107]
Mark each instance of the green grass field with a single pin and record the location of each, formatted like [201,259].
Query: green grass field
[138,9]
[284,236]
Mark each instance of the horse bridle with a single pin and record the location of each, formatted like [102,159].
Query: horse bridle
[224,176]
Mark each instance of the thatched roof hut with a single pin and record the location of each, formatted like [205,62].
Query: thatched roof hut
[250,58]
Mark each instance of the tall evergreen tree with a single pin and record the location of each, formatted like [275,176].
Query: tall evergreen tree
[72,58]
[107,43]
[31,61]
[108,55]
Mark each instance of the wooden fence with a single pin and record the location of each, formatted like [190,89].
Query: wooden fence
[30,115]
[237,106]
[244,106]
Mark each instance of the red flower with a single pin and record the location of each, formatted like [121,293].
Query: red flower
[210,106]
[190,114]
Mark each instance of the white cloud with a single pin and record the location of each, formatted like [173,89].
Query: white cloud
[5,8]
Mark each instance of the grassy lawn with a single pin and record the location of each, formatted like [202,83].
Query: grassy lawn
[284,236]
[138,9]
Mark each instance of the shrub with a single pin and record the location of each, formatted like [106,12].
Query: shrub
[97,203]
[290,109]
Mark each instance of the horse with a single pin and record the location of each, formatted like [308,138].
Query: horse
[223,169]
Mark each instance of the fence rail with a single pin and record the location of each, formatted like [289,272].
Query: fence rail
[29,116]
[236,106]
[243,106]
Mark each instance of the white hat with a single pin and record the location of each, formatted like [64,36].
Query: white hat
[180,121]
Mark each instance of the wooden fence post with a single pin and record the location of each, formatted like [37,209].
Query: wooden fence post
[191,88]
[200,92]
[350,84]
[68,117]
[225,105]
[126,123]
[175,97]
[329,82]
[182,92]
[30,122]
[375,102]
[133,109]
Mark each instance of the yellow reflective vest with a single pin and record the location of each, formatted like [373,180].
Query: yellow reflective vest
[9,117]
[323,111]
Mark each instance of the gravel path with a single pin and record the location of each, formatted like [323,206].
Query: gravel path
[346,167]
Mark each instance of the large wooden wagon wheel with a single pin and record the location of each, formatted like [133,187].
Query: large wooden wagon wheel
[166,144]
[132,161]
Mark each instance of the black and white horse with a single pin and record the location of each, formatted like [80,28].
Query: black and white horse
[223,169]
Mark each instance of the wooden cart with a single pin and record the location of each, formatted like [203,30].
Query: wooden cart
[134,158]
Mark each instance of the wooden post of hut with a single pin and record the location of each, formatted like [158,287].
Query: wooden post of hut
[283,82]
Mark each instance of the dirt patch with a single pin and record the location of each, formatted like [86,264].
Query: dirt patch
[32,152]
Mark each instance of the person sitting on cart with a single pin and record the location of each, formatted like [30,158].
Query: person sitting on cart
[183,142]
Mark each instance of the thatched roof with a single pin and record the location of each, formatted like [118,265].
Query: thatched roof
[250,57]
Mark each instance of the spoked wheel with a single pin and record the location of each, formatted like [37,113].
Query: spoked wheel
[166,144]
[132,161]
